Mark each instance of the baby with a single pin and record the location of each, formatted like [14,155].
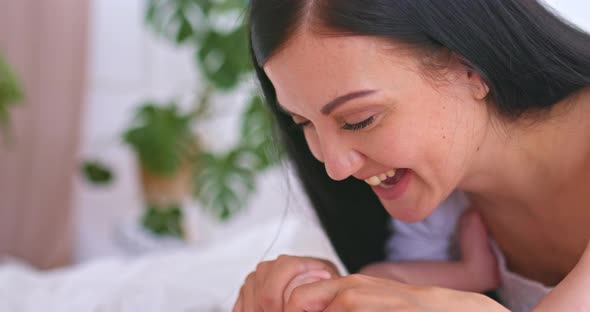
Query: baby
[423,253]
[449,249]
[466,261]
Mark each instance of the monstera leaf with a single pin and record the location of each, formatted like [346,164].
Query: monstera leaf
[184,20]
[223,57]
[224,182]
[178,20]
[221,48]
[257,135]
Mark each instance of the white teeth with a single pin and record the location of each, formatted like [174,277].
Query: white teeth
[376,180]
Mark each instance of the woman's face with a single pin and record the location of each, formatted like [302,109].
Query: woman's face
[368,109]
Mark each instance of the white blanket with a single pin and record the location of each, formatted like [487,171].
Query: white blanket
[200,279]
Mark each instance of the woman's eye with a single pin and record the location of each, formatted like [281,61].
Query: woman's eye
[360,125]
[302,124]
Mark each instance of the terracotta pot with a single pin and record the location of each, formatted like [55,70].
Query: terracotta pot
[166,190]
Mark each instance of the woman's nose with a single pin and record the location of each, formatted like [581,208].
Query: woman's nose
[342,163]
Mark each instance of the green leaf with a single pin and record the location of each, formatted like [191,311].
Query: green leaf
[223,183]
[185,30]
[10,91]
[232,49]
[97,173]
[257,135]
[227,5]
[164,221]
[178,20]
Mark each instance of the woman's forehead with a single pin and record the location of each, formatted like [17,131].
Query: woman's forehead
[312,68]
[315,53]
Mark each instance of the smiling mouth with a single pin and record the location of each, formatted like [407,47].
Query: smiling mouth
[387,179]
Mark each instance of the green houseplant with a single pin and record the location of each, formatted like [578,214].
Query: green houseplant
[217,33]
[166,150]
[162,140]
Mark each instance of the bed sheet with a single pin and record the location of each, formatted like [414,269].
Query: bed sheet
[200,279]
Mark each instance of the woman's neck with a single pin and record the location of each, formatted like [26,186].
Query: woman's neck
[522,164]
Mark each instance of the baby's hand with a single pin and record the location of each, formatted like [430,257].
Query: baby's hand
[476,251]
[305,278]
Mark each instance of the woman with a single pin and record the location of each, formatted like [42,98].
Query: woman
[488,97]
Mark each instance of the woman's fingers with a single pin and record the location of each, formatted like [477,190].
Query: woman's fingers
[354,292]
[317,296]
[264,289]
[274,277]
[249,294]
[262,298]
[278,275]
[305,278]
[239,305]
[364,293]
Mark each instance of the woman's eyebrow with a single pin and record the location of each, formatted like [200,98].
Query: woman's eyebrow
[332,105]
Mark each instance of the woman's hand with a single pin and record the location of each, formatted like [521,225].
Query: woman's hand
[364,293]
[269,286]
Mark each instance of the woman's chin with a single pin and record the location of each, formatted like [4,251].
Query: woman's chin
[415,204]
[407,212]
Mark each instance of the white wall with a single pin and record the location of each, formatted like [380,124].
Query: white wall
[127,65]
[576,11]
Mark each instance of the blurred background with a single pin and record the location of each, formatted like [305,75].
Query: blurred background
[130,127]
[133,127]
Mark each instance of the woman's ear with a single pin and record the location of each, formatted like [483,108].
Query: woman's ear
[479,87]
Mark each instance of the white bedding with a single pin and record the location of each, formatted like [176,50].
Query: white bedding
[202,279]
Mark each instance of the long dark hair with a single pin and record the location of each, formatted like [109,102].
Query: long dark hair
[529,58]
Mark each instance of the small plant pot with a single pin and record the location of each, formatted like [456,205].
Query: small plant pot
[164,190]
[163,195]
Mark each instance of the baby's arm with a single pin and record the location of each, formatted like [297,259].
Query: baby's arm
[475,272]
[454,275]
[572,293]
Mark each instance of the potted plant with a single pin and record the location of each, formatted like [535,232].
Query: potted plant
[221,181]
[166,149]
[217,33]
